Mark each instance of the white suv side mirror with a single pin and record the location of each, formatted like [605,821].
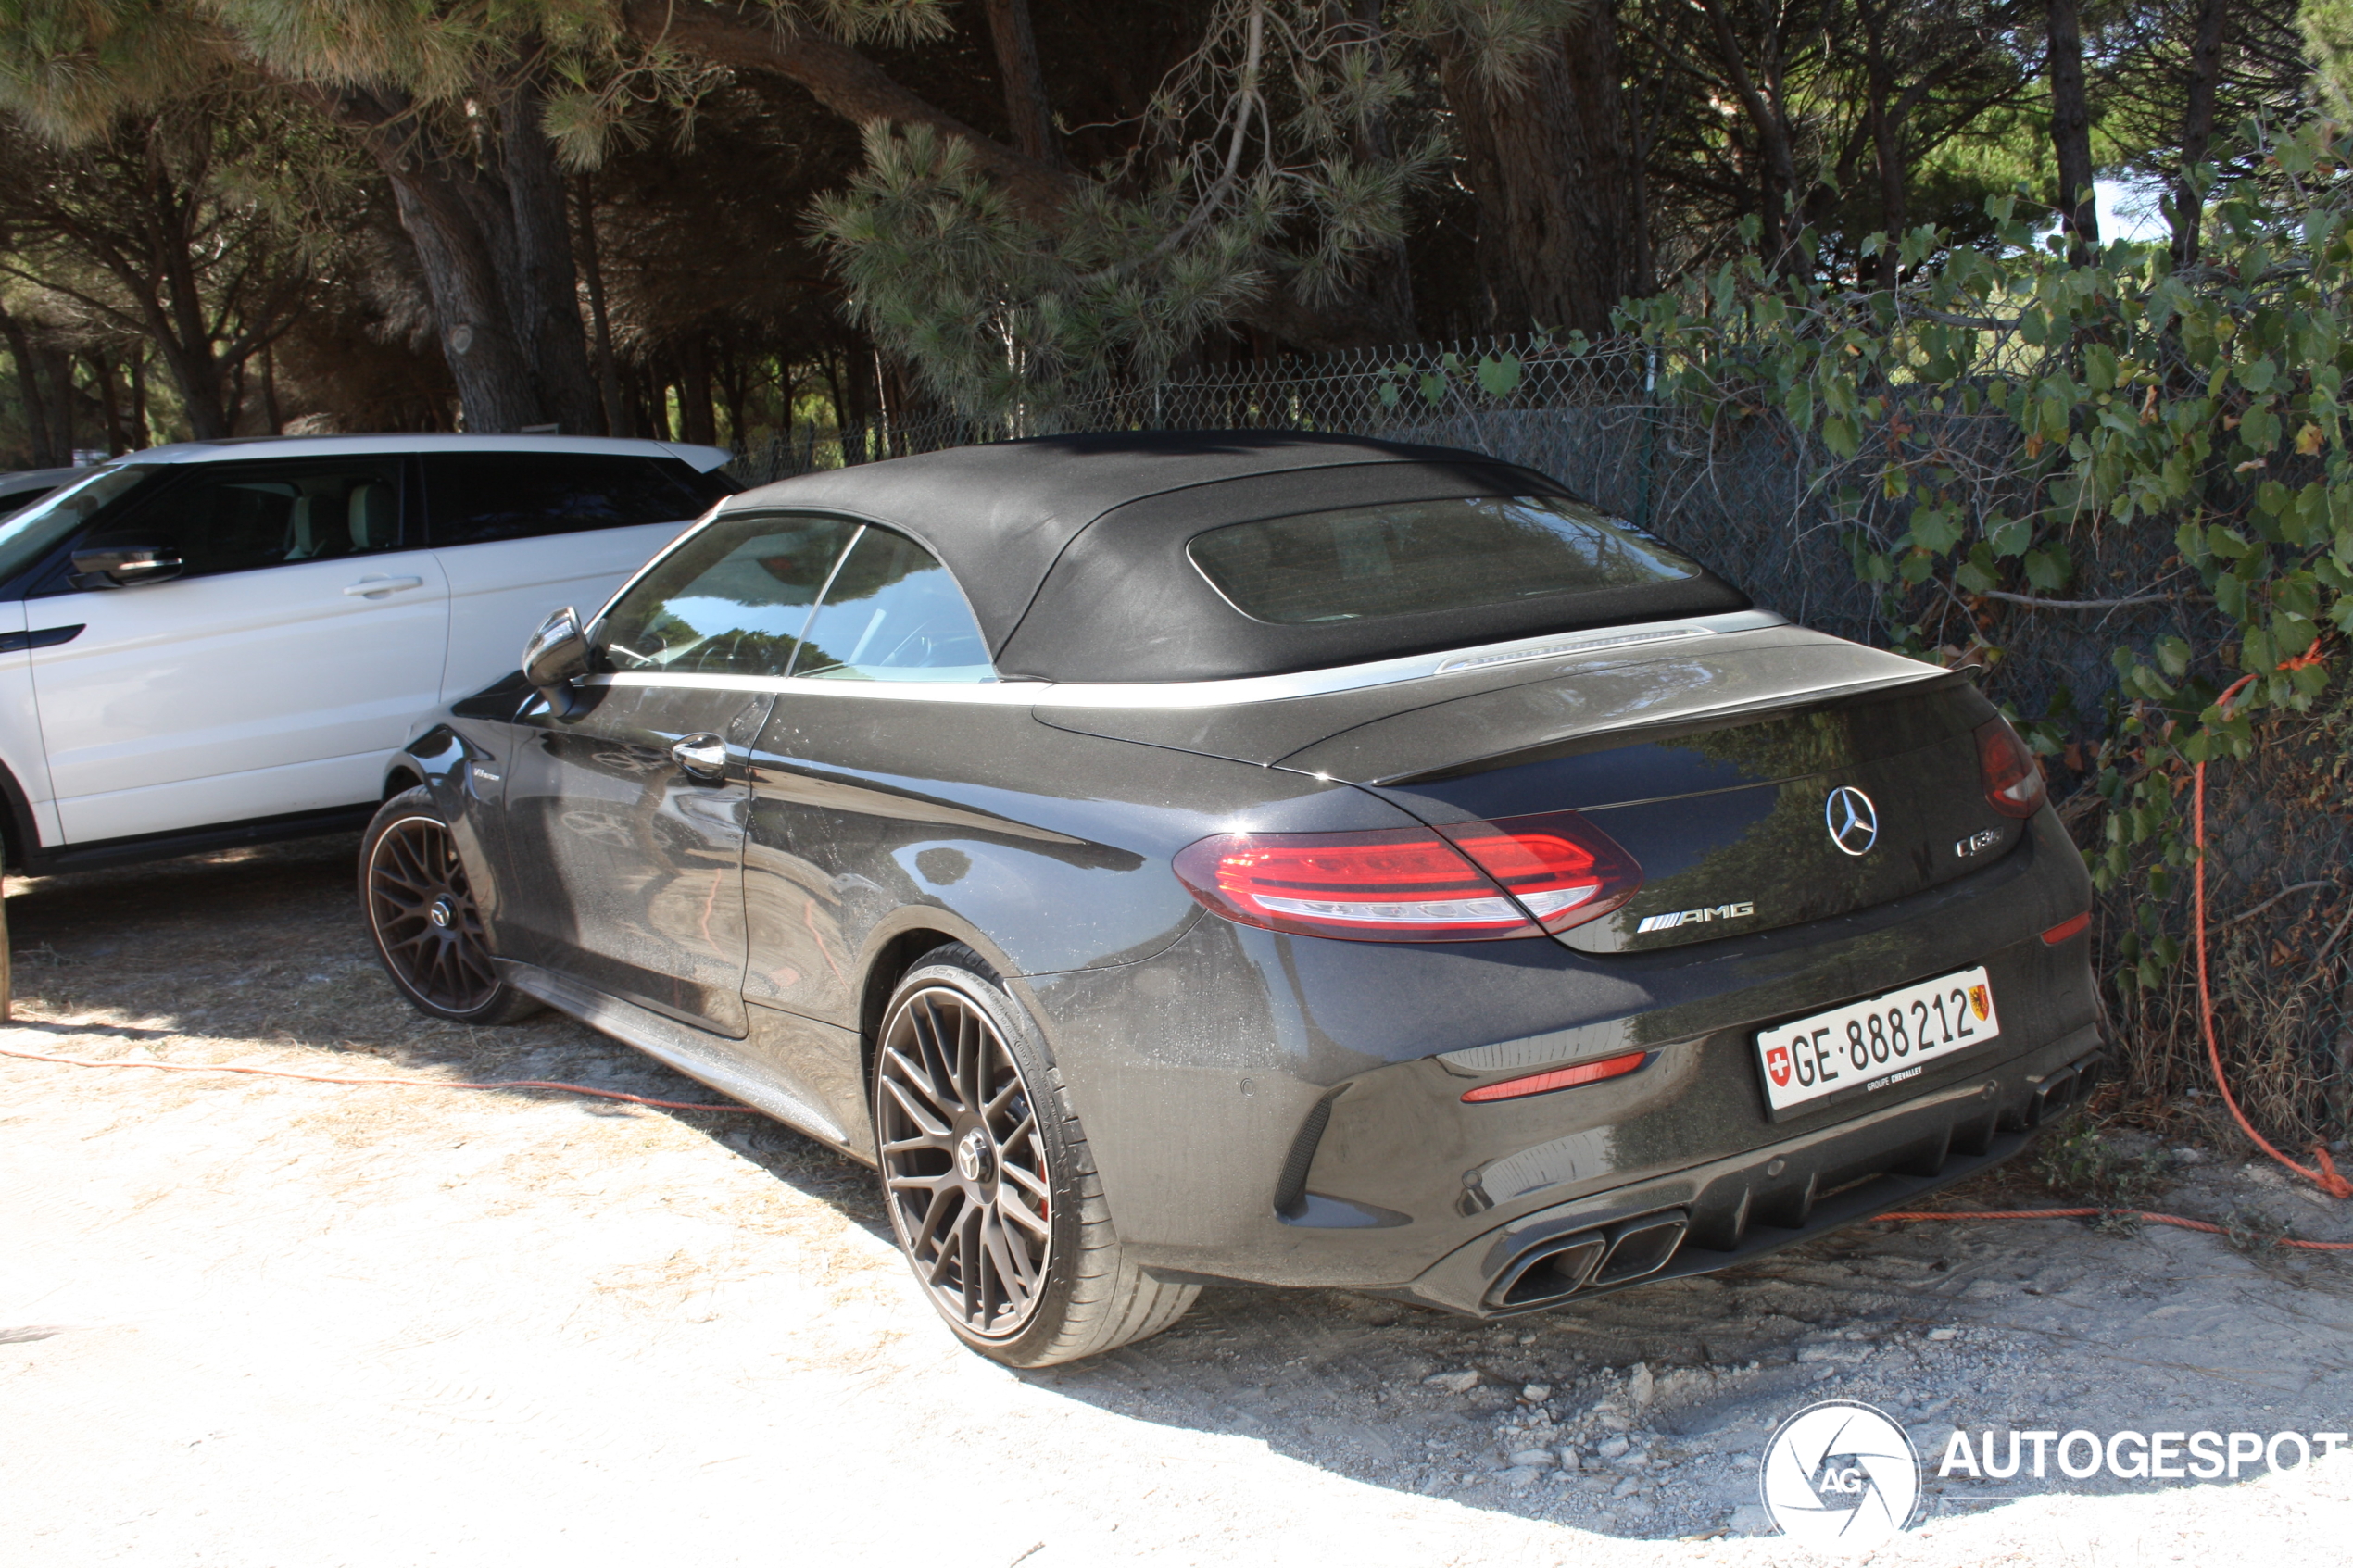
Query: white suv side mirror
[124,566]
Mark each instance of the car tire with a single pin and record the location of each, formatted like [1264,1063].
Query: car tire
[991,1187]
[422,917]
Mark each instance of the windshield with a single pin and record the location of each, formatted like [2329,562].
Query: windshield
[1411,557]
[28,535]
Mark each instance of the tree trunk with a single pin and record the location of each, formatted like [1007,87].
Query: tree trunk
[1387,272]
[657,378]
[36,407]
[542,285]
[1777,191]
[1894,192]
[1547,163]
[2072,131]
[1027,114]
[491,270]
[109,406]
[59,365]
[695,421]
[2197,127]
[592,271]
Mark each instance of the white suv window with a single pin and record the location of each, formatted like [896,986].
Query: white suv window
[481,497]
[242,516]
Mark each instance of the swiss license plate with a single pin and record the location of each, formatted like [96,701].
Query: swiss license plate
[1878,1043]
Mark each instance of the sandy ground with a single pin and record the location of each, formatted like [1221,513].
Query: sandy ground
[253,1321]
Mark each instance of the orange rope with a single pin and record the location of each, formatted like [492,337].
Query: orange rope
[2141,1214]
[403,1083]
[2325,1177]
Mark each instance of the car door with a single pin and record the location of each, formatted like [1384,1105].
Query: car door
[521,533]
[626,817]
[824,811]
[296,646]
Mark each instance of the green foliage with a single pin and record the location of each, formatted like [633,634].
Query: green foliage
[2079,1162]
[2004,415]
[2328,35]
[1001,315]
[1256,166]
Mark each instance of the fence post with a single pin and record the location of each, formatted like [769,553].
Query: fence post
[1650,436]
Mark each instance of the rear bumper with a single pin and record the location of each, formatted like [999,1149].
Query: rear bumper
[1287,1110]
[1731,1211]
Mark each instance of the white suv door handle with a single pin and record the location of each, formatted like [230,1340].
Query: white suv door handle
[371,587]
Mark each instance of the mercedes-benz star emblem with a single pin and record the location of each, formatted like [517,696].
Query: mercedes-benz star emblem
[1852,818]
[973,1155]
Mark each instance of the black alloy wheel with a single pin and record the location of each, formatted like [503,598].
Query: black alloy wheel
[989,1179]
[421,913]
[963,1162]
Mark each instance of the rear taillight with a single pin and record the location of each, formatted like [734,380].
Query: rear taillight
[2013,779]
[1415,885]
[1561,868]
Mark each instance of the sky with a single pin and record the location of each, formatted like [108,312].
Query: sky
[2128,213]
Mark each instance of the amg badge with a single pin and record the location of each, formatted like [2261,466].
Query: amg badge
[1694,916]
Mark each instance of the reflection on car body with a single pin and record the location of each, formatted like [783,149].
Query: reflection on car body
[1170,860]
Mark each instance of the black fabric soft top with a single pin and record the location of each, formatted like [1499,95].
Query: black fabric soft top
[1071,548]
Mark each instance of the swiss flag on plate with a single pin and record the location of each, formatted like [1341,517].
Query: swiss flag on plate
[1777,1063]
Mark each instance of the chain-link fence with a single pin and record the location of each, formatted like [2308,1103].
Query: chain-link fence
[1747,494]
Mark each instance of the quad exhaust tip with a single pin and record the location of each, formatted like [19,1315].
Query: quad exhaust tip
[1556,1269]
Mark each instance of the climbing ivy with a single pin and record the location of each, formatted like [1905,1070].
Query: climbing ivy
[2011,430]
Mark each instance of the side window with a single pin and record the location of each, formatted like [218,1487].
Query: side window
[893,613]
[481,497]
[242,516]
[731,600]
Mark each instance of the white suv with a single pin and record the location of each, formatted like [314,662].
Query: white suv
[229,641]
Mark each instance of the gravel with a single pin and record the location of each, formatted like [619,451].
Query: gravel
[255,1320]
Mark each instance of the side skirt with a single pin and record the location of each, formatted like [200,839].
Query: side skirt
[705,1057]
[193,841]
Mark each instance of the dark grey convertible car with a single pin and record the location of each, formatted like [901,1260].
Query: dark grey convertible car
[1187,859]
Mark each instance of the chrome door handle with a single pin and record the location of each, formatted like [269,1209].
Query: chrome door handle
[703,757]
[372,587]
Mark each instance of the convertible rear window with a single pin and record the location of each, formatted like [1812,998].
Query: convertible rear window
[1411,557]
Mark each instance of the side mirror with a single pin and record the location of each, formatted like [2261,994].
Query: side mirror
[555,657]
[123,566]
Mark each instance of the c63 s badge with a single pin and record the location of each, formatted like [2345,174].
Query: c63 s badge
[1694,916]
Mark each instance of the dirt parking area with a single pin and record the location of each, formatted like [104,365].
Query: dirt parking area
[262,1320]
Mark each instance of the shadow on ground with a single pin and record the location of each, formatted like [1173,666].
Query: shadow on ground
[1662,1396]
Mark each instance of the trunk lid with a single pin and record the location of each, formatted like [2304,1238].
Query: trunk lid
[1751,821]
[1723,769]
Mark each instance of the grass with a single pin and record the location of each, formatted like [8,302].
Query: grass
[2082,1161]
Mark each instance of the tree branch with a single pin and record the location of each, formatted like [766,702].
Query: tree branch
[2033,603]
[2250,914]
[736,35]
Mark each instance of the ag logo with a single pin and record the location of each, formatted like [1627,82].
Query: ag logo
[1852,818]
[1840,1475]
[1777,1063]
